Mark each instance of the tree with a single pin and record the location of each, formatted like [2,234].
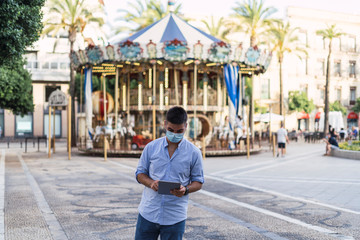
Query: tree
[253,18]
[337,107]
[144,13]
[219,29]
[284,41]
[15,88]
[20,25]
[298,101]
[73,16]
[329,33]
[356,107]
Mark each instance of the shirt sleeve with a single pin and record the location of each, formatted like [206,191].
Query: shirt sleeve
[144,162]
[196,171]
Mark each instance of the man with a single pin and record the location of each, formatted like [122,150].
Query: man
[354,133]
[331,143]
[170,158]
[282,137]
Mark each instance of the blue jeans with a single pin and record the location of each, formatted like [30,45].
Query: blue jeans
[146,230]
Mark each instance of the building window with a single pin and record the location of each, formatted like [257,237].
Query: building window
[49,90]
[303,37]
[322,93]
[321,67]
[352,95]
[24,125]
[304,88]
[352,44]
[302,66]
[336,44]
[337,68]
[265,88]
[57,123]
[320,42]
[338,94]
[352,65]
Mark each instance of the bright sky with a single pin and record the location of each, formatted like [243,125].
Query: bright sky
[224,7]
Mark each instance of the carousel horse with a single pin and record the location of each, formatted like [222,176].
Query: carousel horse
[104,130]
[120,128]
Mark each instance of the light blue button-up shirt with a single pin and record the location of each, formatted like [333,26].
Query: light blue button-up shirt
[185,166]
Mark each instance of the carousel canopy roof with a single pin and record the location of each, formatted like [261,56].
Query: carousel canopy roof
[169,28]
[174,40]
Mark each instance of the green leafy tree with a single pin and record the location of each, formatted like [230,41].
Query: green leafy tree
[219,29]
[253,17]
[356,107]
[20,25]
[73,16]
[284,40]
[15,88]
[298,101]
[143,13]
[329,33]
[337,106]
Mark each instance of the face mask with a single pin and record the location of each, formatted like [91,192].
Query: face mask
[174,137]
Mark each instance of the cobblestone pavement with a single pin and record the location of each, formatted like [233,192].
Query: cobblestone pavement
[301,196]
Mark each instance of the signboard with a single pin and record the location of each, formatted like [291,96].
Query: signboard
[58,99]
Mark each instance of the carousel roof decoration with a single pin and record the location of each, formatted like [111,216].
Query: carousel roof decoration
[173,39]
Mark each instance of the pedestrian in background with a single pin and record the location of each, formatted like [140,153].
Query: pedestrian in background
[170,158]
[282,139]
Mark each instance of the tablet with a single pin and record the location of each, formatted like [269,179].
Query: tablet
[165,187]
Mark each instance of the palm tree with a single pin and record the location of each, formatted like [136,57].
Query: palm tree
[284,40]
[329,33]
[73,16]
[253,18]
[219,29]
[144,13]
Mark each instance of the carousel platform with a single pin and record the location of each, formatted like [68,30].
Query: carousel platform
[210,152]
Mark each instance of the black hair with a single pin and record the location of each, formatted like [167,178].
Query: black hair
[176,115]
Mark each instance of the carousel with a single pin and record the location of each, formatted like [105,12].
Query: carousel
[169,63]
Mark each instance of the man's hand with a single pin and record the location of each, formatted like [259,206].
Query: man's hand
[178,192]
[155,185]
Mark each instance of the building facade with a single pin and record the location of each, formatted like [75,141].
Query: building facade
[308,74]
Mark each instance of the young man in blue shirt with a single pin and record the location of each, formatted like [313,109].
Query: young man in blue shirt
[170,158]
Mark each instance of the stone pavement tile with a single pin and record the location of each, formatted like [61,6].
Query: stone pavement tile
[23,219]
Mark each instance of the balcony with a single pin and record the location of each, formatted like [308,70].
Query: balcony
[49,71]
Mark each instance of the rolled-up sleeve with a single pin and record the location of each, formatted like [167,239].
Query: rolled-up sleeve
[143,165]
[197,173]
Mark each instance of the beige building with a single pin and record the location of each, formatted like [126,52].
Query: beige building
[308,74]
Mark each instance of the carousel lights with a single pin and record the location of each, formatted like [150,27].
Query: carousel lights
[136,64]
[161,81]
[166,78]
[159,62]
[150,78]
[188,62]
[127,62]
[211,64]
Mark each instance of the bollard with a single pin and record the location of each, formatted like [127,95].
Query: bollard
[26,144]
[274,146]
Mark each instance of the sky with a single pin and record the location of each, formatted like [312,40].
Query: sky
[211,7]
[224,7]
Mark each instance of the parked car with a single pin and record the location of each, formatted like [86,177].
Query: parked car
[139,142]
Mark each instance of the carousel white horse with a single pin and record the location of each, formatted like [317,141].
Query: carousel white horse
[120,128]
[105,130]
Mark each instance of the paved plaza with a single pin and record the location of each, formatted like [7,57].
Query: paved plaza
[304,195]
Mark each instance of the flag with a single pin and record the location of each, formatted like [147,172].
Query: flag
[88,105]
[231,75]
